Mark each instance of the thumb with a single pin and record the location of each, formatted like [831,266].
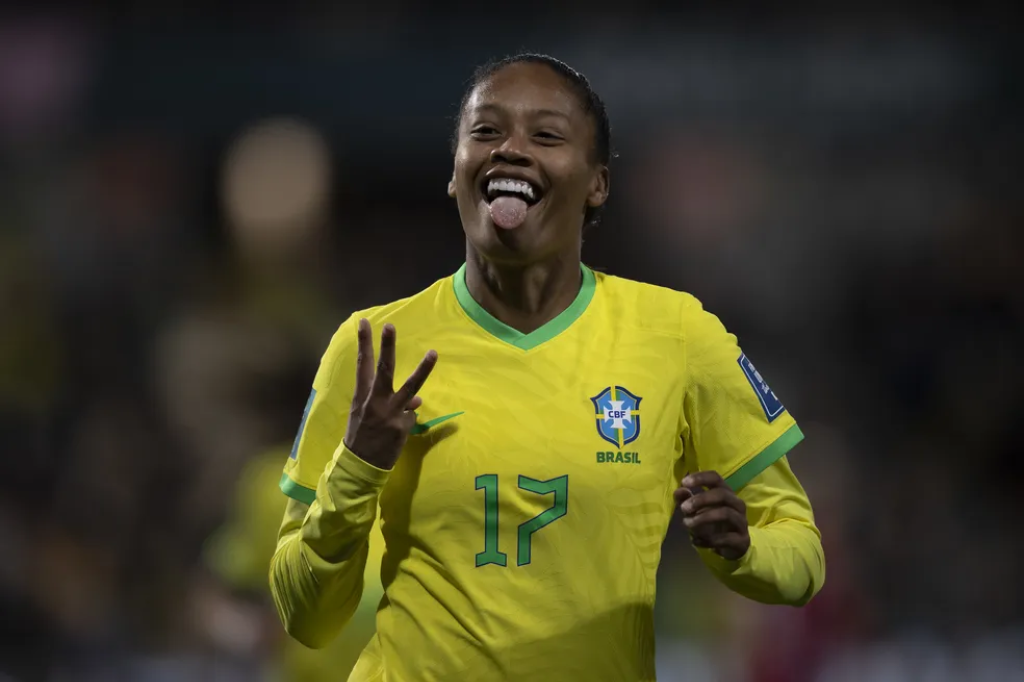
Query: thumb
[408,420]
[681,495]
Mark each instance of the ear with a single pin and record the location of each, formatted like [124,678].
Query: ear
[599,188]
[451,187]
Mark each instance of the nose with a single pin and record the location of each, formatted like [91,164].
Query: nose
[512,152]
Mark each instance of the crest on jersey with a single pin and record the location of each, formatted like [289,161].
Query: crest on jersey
[617,412]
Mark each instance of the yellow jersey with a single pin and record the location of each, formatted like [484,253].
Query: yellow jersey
[524,520]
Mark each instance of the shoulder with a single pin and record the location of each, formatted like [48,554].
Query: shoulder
[654,308]
[408,309]
[412,311]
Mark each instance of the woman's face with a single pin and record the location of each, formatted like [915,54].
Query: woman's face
[525,123]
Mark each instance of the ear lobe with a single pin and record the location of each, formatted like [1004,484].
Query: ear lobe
[451,187]
[599,188]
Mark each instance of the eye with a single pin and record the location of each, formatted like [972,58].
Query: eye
[484,132]
[548,137]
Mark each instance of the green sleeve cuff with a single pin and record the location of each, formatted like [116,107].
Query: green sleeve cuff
[771,454]
[296,491]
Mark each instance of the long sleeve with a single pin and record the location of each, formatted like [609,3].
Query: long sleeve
[785,563]
[316,575]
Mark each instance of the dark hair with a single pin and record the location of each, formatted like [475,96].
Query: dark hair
[589,100]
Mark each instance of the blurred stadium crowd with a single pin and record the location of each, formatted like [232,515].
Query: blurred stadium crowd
[190,207]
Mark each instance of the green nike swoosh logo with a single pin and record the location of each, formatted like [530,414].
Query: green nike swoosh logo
[425,426]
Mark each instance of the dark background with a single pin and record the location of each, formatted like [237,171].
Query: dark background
[192,200]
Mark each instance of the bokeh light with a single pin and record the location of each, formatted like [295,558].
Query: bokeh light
[276,186]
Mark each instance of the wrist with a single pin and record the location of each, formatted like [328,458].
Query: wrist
[368,456]
[734,553]
[350,465]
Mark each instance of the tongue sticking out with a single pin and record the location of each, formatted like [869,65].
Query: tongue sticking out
[508,212]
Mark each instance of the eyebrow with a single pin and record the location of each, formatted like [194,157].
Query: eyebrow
[535,112]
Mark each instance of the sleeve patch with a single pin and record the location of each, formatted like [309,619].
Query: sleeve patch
[769,403]
[302,425]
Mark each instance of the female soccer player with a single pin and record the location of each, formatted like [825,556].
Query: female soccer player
[526,489]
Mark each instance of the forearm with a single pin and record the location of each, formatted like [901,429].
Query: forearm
[316,575]
[785,563]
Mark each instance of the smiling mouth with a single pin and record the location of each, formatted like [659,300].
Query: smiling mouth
[507,187]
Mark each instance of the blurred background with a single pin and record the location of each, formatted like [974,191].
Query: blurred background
[191,201]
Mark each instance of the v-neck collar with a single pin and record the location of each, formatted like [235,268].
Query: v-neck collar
[514,337]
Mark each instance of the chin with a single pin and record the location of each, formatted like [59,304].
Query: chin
[510,247]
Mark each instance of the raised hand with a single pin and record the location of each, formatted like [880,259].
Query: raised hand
[715,516]
[381,417]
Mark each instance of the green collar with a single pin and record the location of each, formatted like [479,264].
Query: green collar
[545,333]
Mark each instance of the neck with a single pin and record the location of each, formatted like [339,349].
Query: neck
[525,297]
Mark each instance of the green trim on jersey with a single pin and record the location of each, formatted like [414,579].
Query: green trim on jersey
[545,333]
[296,491]
[426,426]
[765,458]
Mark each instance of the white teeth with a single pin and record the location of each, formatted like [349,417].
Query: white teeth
[506,185]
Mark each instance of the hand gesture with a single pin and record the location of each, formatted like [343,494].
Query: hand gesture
[716,517]
[381,417]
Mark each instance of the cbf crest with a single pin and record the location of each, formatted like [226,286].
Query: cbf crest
[617,412]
